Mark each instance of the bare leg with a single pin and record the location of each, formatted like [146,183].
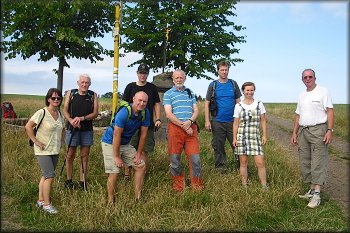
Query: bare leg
[111,186]
[138,180]
[243,169]
[69,162]
[144,157]
[41,188]
[47,190]
[260,163]
[84,155]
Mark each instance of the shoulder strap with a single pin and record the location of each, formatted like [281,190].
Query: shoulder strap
[189,93]
[89,93]
[214,88]
[122,104]
[37,127]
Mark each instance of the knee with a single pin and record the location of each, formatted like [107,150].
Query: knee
[196,165]
[49,178]
[140,168]
[175,161]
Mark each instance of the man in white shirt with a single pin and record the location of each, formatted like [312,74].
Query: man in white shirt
[313,131]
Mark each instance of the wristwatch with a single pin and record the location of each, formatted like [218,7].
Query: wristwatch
[331,130]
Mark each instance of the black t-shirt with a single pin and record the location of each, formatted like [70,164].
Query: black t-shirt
[82,105]
[151,91]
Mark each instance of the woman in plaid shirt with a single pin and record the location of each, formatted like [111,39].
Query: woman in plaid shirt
[250,116]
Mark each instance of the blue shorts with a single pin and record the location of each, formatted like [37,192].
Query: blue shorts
[82,138]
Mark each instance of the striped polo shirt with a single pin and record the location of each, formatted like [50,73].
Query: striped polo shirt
[181,103]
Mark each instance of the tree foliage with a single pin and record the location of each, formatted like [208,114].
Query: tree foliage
[201,33]
[56,29]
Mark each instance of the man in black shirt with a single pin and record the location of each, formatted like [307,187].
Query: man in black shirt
[153,105]
[80,108]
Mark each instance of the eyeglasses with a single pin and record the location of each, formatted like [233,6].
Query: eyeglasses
[55,98]
[307,77]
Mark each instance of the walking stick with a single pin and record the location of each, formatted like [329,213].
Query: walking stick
[65,158]
[82,169]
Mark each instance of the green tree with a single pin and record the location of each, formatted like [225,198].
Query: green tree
[56,29]
[201,33]
[107,95]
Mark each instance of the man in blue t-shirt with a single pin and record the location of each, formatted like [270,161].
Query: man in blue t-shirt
[227,94]
[116,148]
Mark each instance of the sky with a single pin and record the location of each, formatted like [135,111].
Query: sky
[283,38]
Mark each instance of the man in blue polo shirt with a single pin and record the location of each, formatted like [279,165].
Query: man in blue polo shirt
[219,122]
[116,148]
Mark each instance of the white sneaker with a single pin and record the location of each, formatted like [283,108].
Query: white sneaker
[315,201]
[309,194]
[50,209]
[39,204]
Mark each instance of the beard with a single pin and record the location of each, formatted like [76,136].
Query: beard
[179,85]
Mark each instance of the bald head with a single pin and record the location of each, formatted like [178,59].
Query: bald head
[140,100]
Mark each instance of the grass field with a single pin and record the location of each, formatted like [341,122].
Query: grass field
[223,206]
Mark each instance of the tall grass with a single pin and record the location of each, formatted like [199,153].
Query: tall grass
[223,205]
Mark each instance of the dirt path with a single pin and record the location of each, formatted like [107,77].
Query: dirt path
[338,172]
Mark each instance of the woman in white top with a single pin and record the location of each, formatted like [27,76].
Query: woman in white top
[249,117]
[47,144]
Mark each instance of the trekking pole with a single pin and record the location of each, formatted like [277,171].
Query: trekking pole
[82,169]
[65,158]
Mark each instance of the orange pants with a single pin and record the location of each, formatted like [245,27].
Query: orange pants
[178,140]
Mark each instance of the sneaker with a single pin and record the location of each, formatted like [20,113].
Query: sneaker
[265,187]
[40,204]
[50,209]
[309,194]
[81,185]
[315,201]
[68,184]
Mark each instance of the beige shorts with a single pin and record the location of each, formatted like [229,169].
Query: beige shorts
[127,153]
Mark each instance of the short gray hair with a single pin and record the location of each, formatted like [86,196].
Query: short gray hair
[85,76]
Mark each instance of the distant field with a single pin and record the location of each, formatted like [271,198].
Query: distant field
[30,103]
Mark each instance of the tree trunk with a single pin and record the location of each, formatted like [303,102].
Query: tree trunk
[60,73]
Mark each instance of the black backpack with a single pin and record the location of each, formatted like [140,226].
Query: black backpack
[213,105]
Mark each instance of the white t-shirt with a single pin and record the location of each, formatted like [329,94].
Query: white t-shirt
[247,107]
[49,132]
[312,106]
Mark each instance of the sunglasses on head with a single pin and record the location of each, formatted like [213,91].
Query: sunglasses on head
[55,98]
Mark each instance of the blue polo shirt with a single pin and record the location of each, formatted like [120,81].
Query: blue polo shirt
[130,126]
[181,103]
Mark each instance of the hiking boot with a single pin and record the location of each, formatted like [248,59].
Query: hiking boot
[40,204]
[309,194]
[50,209]
[81,186]
[315,201]
[68,184]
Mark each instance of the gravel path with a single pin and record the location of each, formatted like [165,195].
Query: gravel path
[338,172]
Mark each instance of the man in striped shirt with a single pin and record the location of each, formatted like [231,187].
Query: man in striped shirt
[181,110]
